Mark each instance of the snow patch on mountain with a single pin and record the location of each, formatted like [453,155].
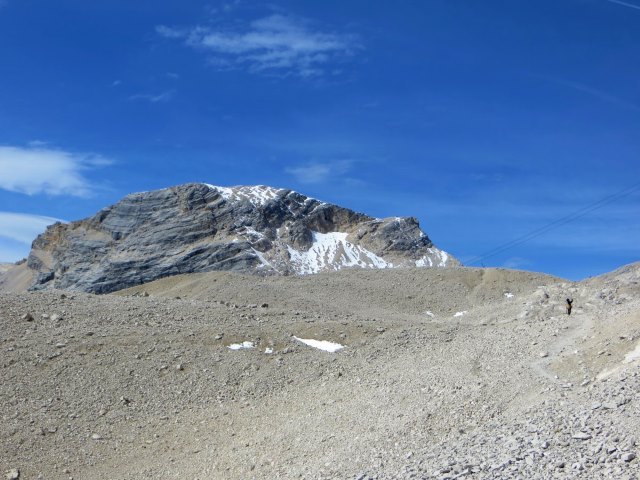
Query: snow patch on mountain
[441,259]
[333,251]
[263,261]
[257,195]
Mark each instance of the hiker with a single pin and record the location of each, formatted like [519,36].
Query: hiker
[569,305]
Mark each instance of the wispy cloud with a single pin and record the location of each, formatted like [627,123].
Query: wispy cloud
[625,4]
[17,231]
[224,8]
[594,92]
[34,170]
[276,44]
[23,227]
[153,98]
[516,263]
[319,172]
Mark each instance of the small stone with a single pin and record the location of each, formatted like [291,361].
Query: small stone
[27,317]
[219,336]
[96,436]
[609,406]
[179,367]
[627,457]
[543,354]
[12,474]
[265,305]
[581,436]
[380,330]
[55,317]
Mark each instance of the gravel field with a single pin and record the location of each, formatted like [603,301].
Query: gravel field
[444,373]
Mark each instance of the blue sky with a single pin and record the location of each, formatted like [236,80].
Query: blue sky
[485,120]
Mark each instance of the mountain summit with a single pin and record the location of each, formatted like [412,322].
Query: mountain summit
[199,227]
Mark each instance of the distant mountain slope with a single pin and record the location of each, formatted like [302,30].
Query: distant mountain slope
[5,266]
[200,227]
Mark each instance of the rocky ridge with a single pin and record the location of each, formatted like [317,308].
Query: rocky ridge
[199,227]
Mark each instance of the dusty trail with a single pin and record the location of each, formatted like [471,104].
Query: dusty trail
[574,327]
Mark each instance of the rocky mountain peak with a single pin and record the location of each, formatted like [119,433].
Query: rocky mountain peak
[200,227]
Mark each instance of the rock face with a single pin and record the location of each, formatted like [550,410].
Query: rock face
[199,227]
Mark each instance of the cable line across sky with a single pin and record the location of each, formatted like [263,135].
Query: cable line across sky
[555,224]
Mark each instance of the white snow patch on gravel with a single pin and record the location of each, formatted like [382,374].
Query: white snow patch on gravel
[321,344]
[633,355]
[460,314]
[428,312]
[509,295]
[332,250]
[268,350]
[240,346]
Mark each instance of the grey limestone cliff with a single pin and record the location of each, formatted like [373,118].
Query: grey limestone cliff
[199,227]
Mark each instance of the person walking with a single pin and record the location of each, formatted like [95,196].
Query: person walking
[569,305]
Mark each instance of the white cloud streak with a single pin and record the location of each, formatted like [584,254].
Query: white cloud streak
[24,227]
[599,94]
[17,232]
[35,170]
[516,263]
[275,44]
[625,4]
[319,172]
[159,98]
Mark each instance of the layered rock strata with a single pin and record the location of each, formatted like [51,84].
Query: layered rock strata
[200,227]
